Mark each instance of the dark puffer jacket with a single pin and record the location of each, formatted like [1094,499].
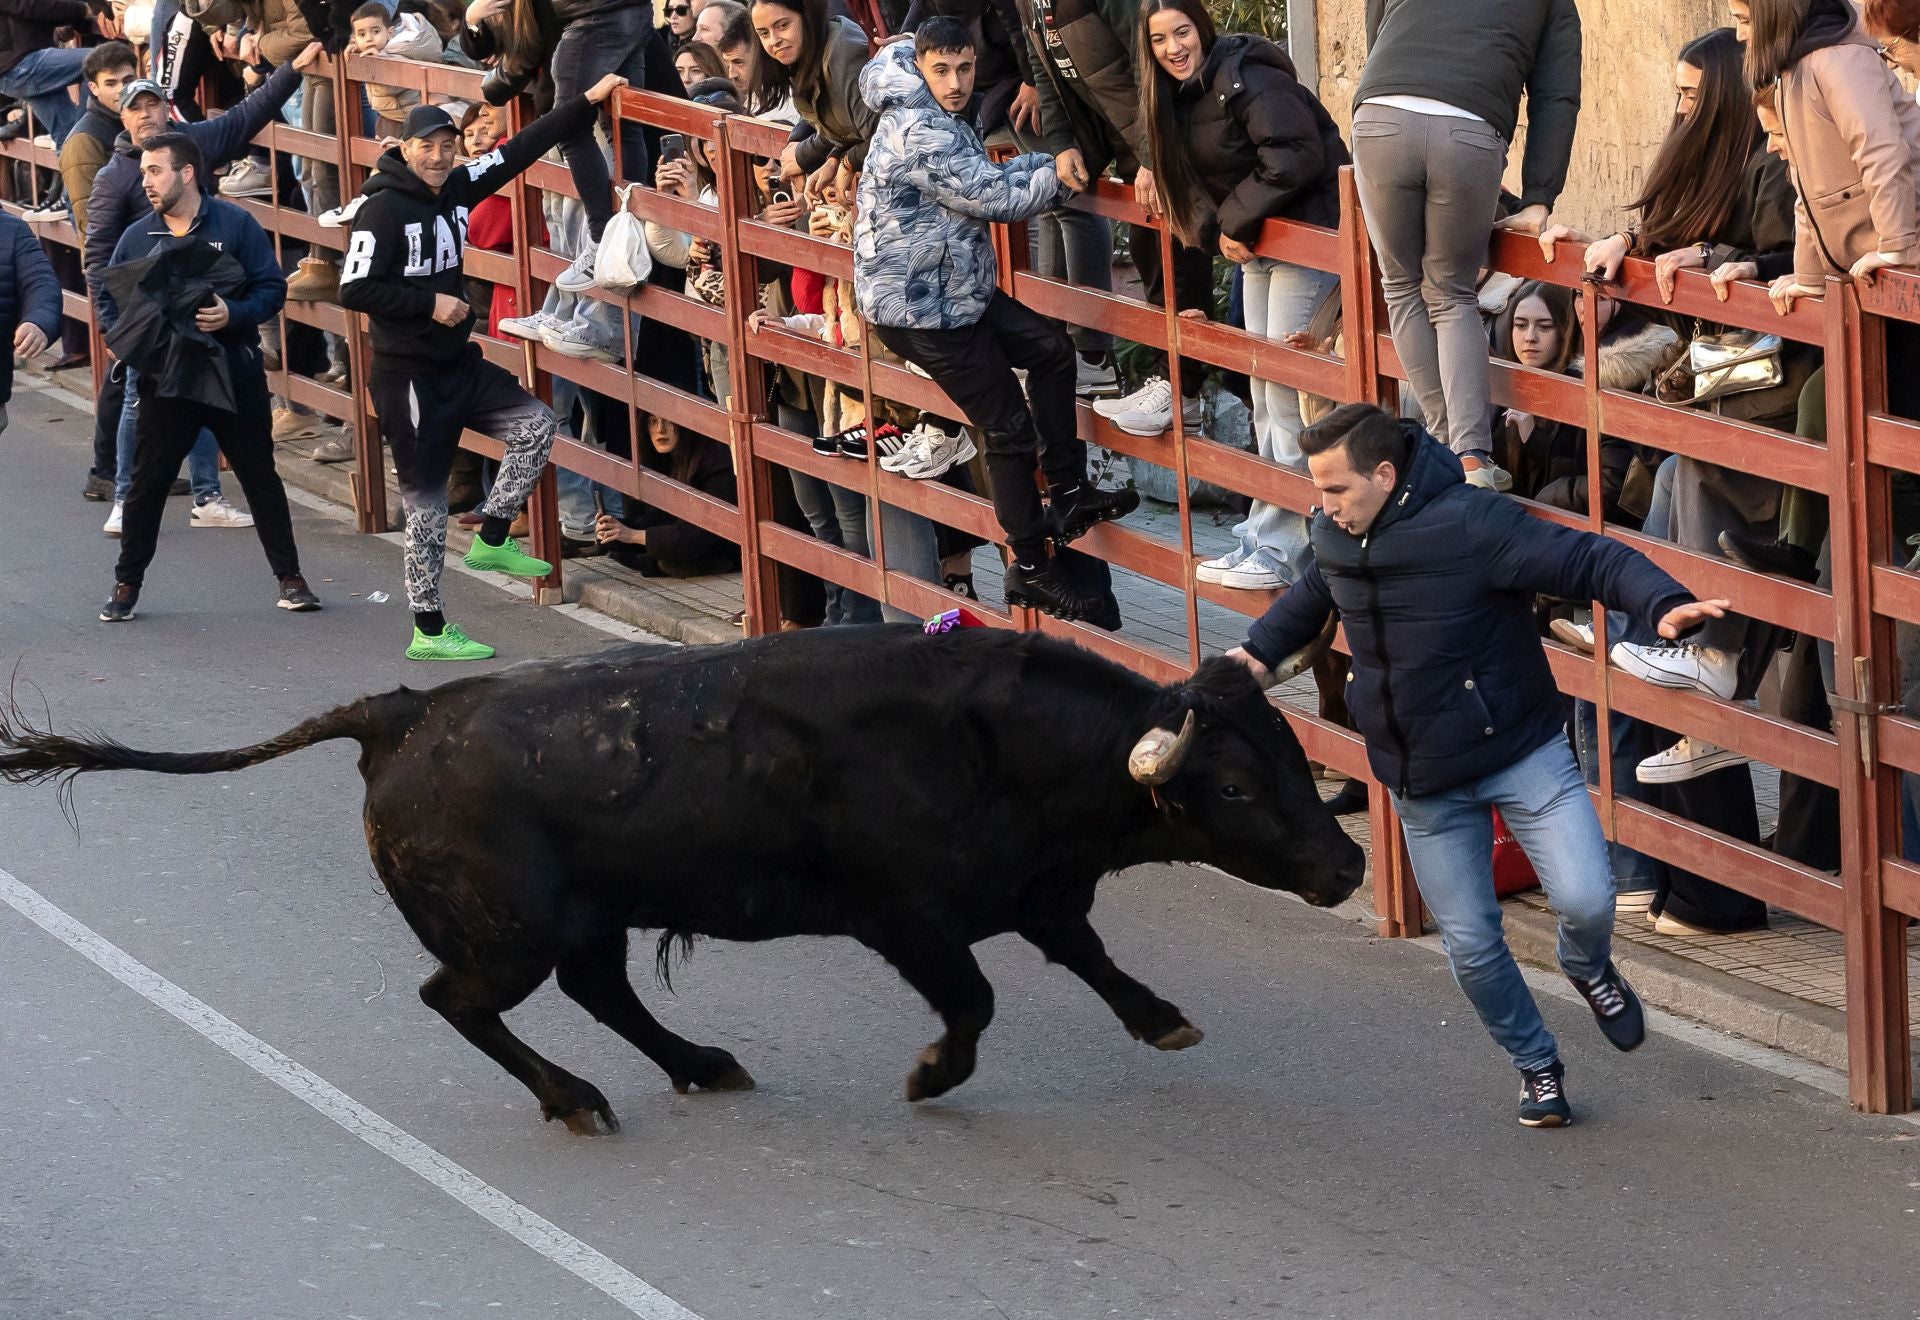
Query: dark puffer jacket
[1098,111]
[27,25]
[28,292]
[1449,682]
[1263,145]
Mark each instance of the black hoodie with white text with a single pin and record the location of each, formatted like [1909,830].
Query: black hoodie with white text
[408,242]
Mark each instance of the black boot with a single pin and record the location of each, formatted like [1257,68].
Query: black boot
[1073,510]
[1046,589]
[1770,556]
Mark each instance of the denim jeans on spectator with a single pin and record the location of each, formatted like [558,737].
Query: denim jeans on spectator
[1450,845]
[837,516]
[1278,298]
[203,460]
[1659,519]
[574,492]
[1428,189]
[41,79]
[913,548]
[590,48]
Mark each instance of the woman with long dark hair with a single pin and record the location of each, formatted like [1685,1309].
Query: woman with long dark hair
[655,543]
[809,55]
[1234,141]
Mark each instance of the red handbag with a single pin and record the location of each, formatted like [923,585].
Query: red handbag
[1512,872]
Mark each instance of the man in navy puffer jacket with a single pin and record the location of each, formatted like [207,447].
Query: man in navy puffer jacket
[1435,581]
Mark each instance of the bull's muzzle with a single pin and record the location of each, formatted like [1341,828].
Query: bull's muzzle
[1157,756]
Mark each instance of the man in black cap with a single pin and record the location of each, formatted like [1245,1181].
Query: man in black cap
[429,379]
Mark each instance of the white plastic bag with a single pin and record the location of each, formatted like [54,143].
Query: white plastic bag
[623,262]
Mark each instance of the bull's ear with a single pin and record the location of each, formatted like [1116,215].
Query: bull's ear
[1157,756]
[1306,657]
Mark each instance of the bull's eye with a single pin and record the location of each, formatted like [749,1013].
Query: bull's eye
[1231,792]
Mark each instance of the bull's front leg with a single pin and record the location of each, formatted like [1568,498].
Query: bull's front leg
[1075,945]
[948,975]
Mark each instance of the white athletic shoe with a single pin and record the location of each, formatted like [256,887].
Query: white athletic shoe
[1156,414]
[1152,390]
[579,338]
[216,512]
[1490,477]
[1687,759]
[1681,665]
[578,277]
[112,527]
[342,216]
[1095,380]
[530,327]
[1213,570]
[938,451]
[249,178]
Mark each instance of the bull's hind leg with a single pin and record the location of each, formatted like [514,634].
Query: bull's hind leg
[951,980]
[473,1002]
[1075,945]
[596,979]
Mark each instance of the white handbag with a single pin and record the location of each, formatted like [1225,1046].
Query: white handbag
[623,262]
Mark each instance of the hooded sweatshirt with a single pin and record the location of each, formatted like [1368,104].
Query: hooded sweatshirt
[922,253]
[408,242]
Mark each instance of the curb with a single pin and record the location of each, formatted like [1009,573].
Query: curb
[1701,994]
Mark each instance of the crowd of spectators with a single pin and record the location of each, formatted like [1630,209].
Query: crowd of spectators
[1790,157]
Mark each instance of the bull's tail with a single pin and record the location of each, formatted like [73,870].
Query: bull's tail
[30,755]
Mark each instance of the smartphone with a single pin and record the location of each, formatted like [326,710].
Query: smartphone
[781,195]
[673,146]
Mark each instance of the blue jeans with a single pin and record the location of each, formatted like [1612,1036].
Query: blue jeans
[1450,844]
[41,79]
[203,460]
[575,492]
[1277,299]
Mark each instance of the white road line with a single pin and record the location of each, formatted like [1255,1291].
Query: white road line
[489,1202]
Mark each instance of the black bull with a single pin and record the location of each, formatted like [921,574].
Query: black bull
[917,793]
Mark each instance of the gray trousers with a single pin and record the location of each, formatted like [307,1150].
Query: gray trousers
[1429,188]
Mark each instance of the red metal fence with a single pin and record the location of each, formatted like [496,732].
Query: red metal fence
[1871,900]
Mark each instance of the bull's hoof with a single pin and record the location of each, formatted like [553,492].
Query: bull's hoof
[578,1107]
[1183,1037]
[734,1078]
[929,1076]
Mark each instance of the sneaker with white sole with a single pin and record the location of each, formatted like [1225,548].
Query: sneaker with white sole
[1257,572]
[1489,477]
[1681,665]
[938,452]
[51,214]
[1153,388]
[1148,421]
[291,425]
[216,512]
[1212,570]
[578,277]
[1687,759]
[1577,635]
[579,338]
[892,446]
[43,140]
[911,449]
[1097,379]
[342,216]
[249,178]
[112,525]
[530,327]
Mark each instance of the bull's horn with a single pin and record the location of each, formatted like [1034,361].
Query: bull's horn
[1156,757]
[1304,659]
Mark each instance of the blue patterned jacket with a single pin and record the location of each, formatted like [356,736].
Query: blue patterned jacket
[922,253]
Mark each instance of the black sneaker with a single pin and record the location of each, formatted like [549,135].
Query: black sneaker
[99,489]
[1046,589]
[1543,1098]
[119,606]
[1770,555]
[827,446]
[295,595]
[1073,510]
[1617,1009]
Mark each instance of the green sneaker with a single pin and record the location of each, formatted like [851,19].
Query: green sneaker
[451,644]
[507,558]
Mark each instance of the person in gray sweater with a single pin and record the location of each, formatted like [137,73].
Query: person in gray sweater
[1437,106]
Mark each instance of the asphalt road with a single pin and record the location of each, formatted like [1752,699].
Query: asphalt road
[1341,1145]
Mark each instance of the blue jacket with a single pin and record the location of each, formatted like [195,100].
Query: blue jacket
[118,201]
[1450,683]
[28,291]
[922,252]
[230,229]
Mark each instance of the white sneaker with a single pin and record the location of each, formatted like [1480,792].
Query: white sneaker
[938,452]
[342,216]
[1253,573]
[1687,759]
[1212,570]
[216,512]
[578,338]
[1095,380]
[112,527]
[249,178]
[1154,388]
[1489,477]
[1682,665]
[530,327]
[1577,635]
[909,449]
[43,140]
[1156,420]
[578,277]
